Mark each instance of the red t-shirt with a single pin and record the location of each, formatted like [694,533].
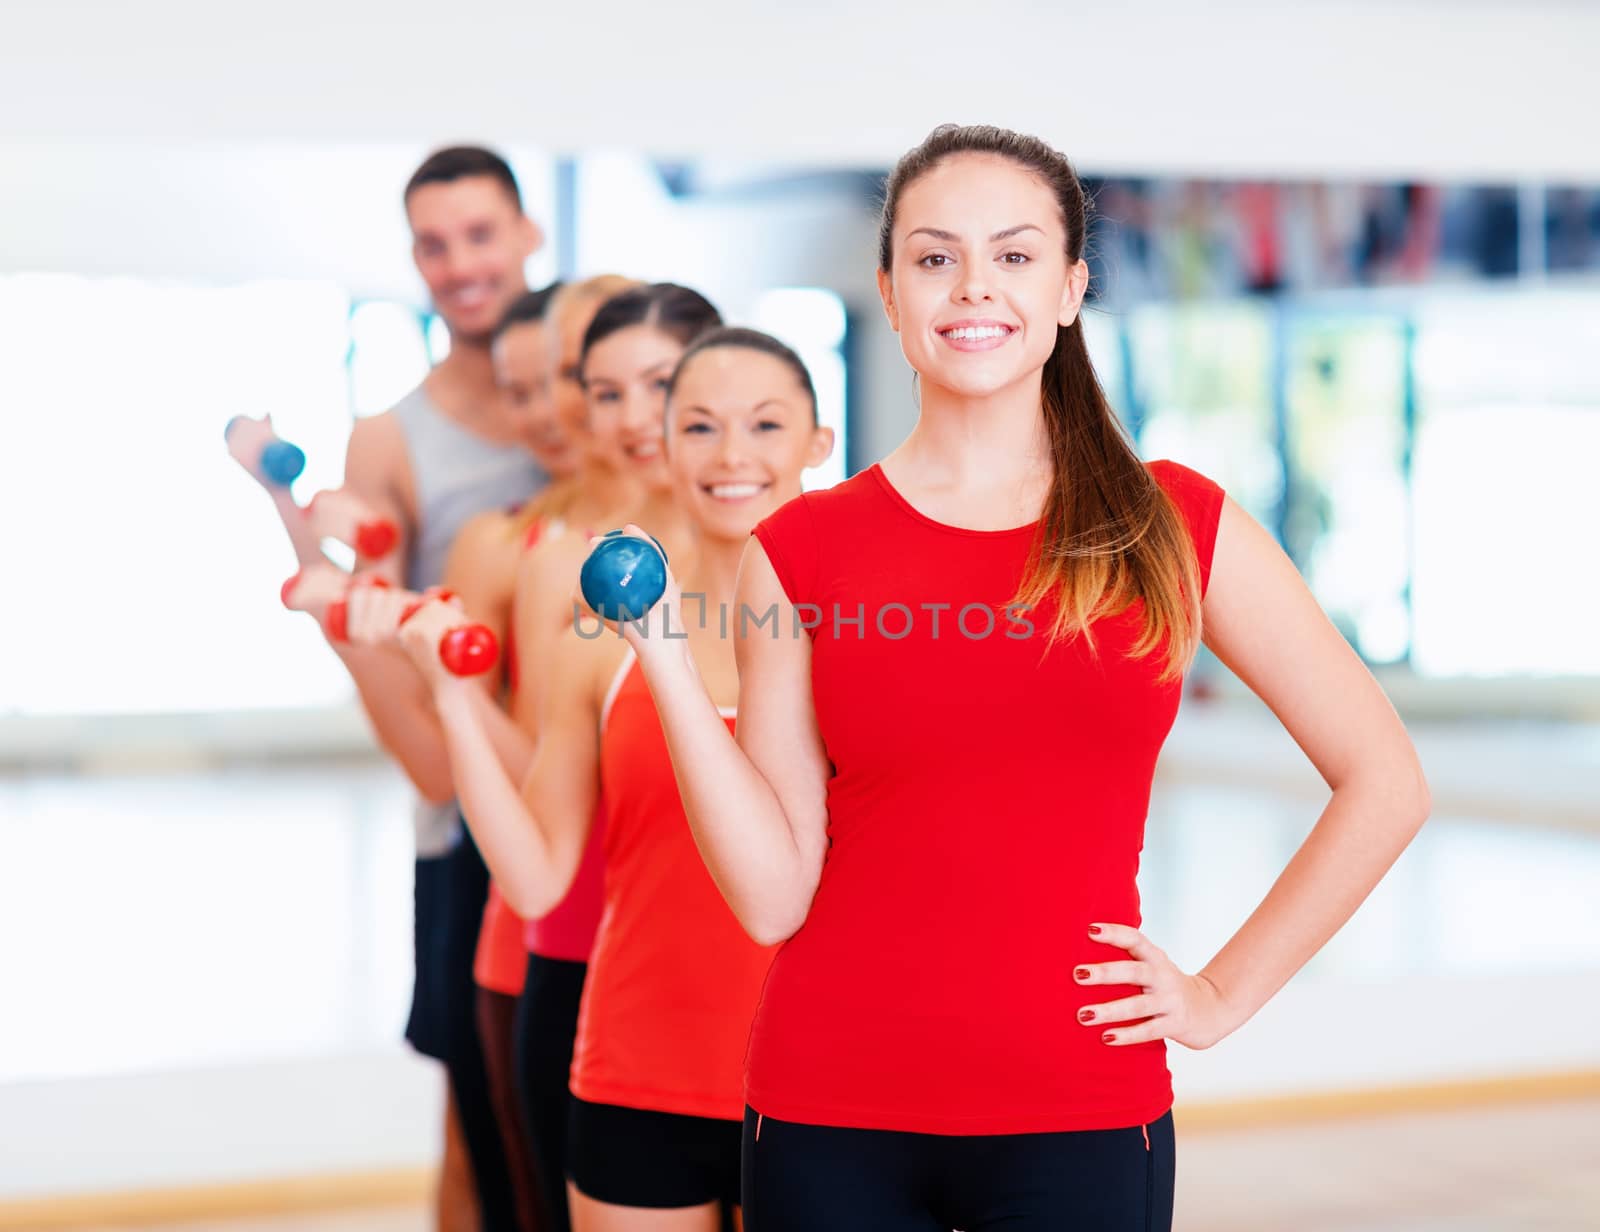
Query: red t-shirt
[987,804]
[674,979]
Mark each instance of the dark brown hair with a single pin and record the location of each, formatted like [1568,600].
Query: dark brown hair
[528,307]
[460,162]
[676,311]
[1109,536]
[727,336]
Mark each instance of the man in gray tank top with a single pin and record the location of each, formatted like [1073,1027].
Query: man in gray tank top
[450,449]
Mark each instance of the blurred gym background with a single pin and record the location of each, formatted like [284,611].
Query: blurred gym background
[1347,262]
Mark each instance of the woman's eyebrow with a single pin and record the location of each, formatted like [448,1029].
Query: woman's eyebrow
[950,237]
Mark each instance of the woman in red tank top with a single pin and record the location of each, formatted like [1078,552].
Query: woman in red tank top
[550,955]
[673,981]
[946,742]
[624,338]
[597,327]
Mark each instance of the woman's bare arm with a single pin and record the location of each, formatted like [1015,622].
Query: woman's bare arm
[757,805]
[1262,621]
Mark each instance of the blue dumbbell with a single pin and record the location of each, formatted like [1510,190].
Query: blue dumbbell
[624,575]
[281,462]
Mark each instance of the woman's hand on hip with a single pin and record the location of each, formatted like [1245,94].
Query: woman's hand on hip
[1170,1004]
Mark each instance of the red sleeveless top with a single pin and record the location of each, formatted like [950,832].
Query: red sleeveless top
[501,961]
[674,979]
[987,804]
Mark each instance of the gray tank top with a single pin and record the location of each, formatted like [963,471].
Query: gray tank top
[456,476]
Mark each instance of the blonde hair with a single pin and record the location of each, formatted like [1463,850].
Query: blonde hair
[587,294]
[586,291]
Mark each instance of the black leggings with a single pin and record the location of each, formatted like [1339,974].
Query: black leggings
[798,1178]
[546,1024]
[450,893]
[497,1015]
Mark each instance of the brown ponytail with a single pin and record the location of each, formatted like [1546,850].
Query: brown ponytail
[1109,535]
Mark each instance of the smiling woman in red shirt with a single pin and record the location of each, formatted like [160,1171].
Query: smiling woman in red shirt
[657,1082]
[946,741]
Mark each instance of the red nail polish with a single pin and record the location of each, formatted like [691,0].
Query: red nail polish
[1094,930]
[1082,973]
[1085,1015]
[1108,1038]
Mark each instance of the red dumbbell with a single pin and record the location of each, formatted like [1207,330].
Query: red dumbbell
[469,650]
[346,517]
[338,614]
[442,593]
[326,589]
[466,650]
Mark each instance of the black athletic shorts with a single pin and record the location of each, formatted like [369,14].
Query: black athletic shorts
[448,908]
[661,1160]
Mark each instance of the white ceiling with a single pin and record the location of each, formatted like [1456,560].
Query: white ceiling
[1233,87]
